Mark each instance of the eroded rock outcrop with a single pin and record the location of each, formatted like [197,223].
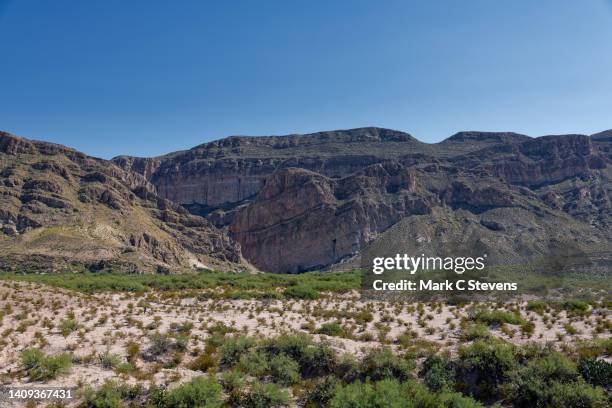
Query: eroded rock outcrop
[302,202]
[65,208]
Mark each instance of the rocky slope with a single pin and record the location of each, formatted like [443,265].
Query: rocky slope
[61,209]
[303,202]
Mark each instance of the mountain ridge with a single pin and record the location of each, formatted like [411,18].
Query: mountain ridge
[302,202]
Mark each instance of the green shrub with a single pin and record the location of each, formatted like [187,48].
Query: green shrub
[296,346]
[254,363]
[437,374]
[596,372]
[220,328]
[133,350]
[199,392]
[538,306]
[109,360]
[483,366]
[322,392]
[575,395]
[318,359]
[331,329]
[203,362]
[301,292]
[552,366]
[367,395]
[475,332]
[348,369]
[497,317]
[284,370]
[594,348]
[67,326]
[575,306]
[41,367]
[109,395]
[233,382]
[531,384]
[125,368]
[160,344]
[233,348]
[391,393]
[527,328]
[181,342]
[265,395]
[258,286]
[382,363]
[363,316]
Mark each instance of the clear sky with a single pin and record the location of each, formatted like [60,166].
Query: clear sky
[149,77]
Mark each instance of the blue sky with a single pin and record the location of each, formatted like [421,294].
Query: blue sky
[149,77]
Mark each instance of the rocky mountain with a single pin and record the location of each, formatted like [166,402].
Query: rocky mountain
[61,210]
[301,202]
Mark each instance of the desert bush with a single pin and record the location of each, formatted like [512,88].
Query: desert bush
[260,285]
[160,344]
[569,329]
[301,292]
[393,394]
[475,332]
[363,316]
[483,366]
[437,373]
[233,380]
[596,372]
[575,306]
[132,349]
[366,395]
[203,362]
[381,363]
[318,359]
[199,392]
[109,360]
[109,395]
[594,348]
[497,317]
[527,328]
[233,383]
[254,363]
[574,395]
[348,368]
[322,392]
[41,367]
[293,345]
[125,368]
[265,395]
[330,329]
[233,348]
[181,342]
[284,370]
[67,326]
[538,306]
[543,380]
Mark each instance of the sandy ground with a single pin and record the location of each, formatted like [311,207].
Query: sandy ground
[33,316]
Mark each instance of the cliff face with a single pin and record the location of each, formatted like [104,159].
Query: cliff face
[61,209]
[303,202]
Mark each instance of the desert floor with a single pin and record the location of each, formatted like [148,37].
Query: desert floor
[99,329]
